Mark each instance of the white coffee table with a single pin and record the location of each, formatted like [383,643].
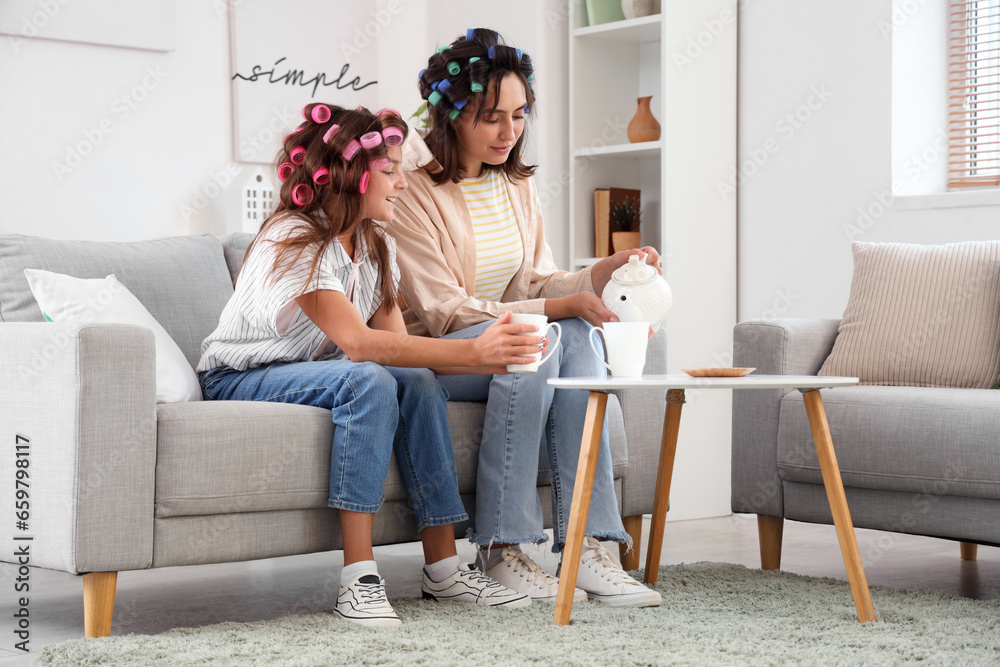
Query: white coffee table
[675,386]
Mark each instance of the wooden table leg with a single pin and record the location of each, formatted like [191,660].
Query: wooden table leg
[838,505]
[590,447]
[664,473]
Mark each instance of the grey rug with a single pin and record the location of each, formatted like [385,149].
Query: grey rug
[712,613]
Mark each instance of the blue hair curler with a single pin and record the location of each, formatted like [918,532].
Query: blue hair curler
[491,52]
[470,35]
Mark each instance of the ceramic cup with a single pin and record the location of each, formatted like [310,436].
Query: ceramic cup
[542,326]
[626,346]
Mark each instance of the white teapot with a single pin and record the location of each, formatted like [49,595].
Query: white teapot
[638,293]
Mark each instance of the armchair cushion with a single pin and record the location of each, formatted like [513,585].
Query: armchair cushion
[921,316]
[949,447]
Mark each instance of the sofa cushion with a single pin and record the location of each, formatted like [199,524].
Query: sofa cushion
[217,457]
[182,281]
[234,246]
[912,439]
[921,316]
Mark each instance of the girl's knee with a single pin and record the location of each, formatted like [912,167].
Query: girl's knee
[368,376]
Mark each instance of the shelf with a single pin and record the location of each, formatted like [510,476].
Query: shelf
[644,29]
[644,149]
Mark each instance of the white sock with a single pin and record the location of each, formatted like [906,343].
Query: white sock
[356,570]
[443,568]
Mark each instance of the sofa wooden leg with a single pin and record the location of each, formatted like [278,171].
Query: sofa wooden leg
[769,530]
[969,550]
[98,602]
[630,558]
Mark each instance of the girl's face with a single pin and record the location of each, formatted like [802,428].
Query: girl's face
[379,201]
[492,138]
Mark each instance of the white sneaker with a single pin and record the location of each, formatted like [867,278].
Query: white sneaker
[471,586]
[519,573]
[363,602]
[602,576]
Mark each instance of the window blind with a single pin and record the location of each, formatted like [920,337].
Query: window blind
[974,94]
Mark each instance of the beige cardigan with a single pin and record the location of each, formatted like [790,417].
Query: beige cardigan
[436,253]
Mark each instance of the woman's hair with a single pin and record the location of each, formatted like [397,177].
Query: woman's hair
[457,80]
[324,169]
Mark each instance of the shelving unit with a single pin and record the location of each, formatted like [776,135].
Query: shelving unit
[684,215]
[611,65]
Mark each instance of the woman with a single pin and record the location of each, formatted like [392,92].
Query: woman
[472,246]
[314,320]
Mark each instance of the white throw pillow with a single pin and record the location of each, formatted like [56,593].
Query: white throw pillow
[105,300]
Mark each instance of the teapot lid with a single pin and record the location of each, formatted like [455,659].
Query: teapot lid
[635,271]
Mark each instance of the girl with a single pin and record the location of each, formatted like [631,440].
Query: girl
[315,320]
[471,247]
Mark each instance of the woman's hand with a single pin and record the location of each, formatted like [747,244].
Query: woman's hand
[501,344]
[582,304]
[601,273]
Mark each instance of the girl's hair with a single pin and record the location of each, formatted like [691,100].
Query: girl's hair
[456,81]
[324,168]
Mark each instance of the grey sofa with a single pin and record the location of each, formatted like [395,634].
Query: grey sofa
[119,482]
[917,460]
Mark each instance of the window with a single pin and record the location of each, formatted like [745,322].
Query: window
[974,94]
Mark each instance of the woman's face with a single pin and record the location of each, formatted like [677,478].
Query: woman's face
[492,138]
[379,201]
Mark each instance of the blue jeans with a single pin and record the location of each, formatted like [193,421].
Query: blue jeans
[524,413]
[376,410]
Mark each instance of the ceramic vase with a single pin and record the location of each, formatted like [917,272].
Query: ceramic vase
[633,9]
[643,126]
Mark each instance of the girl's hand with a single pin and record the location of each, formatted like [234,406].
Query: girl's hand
[601,273]
[501,344]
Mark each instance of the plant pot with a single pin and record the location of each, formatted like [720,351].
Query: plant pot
[643,126]
[625,240]
[633,9]
[604,11]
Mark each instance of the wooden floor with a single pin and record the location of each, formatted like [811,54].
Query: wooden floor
[156,600]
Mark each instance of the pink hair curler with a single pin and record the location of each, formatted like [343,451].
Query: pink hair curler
[302,194]
[360,107]
[285,170]
[371,139]
[297,155]
[363,186]
[393,136]
[380,164]
[320,113]
[388,111]
[351,150]
[321,176]
[330,133]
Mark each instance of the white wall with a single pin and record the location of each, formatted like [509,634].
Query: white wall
[807,177]
[156,158]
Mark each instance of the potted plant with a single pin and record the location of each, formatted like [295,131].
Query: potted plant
[625,216]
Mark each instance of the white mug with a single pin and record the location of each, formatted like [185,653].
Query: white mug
[626,345]
[542,326]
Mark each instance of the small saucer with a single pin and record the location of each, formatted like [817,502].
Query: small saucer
[718,372]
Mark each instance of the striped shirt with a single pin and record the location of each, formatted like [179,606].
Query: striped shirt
[499,249]
[262,323]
